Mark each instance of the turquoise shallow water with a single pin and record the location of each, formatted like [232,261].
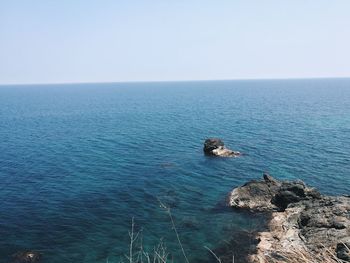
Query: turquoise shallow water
[77,162]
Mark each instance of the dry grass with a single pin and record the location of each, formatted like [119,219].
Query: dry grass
[137,254]
[167,209]
[160,254]
[297,256]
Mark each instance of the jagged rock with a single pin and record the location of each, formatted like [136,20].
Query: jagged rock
[26,257]
[216,147]
[300,218]
[256,195]
[293,192]
[270,194]
[212,144]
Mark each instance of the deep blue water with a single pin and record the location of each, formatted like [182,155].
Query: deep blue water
[77,162]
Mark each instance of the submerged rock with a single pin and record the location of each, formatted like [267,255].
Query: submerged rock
[26,257]
[235,250]
[300,219]
[216,147]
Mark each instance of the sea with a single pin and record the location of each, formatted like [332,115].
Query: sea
[80,162]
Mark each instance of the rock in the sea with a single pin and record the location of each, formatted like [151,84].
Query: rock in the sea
[300,219]
[216,147]
[26,257]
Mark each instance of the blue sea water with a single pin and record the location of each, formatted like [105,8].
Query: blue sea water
[78,162]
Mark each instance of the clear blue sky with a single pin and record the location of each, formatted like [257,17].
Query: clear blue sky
[51,41]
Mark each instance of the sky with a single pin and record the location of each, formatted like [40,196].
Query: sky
[47,41]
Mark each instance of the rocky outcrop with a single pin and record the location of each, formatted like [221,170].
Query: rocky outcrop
[216,147]
[26,257]
[301,221]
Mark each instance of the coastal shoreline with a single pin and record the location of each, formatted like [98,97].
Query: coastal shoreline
[300,221]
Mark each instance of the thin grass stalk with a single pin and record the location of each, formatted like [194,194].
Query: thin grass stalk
[167,209]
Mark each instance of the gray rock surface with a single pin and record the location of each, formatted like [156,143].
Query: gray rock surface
[300,218]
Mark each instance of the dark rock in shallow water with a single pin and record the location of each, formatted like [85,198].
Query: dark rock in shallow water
[26,257]
[237,248]
[190,222]
[216,147]
[301,219]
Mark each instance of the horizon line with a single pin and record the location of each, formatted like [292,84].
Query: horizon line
[164,81]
